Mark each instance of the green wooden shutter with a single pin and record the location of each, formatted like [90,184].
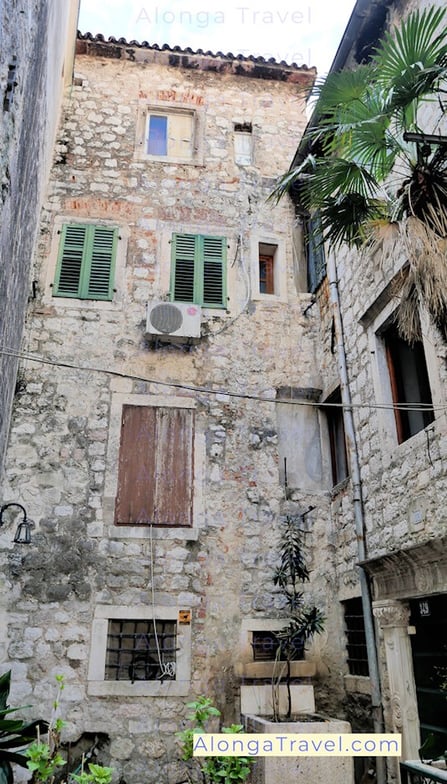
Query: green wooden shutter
[100,271]
[184,262]
[69,263]
[214,257]
[86,262]
[199,269]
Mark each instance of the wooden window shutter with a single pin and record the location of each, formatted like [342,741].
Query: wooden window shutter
[180,136]
[135,499]
[86,262]
[316,257]
[101,269]
[156,467]
[199,269]
[174,466]
[69,263]
[214,271]
[184,262]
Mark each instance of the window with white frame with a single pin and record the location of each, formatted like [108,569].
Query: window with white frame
[243,144]
[140,651]
[171,134]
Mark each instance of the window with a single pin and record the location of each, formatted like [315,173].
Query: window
[133,656]
[155,466]
[267,268]
[337,440]
[243,144]
[409,384]
[198,271]
[316,259]
[170,135]
[141,650]
[356,638]
[86,262]
[265,645]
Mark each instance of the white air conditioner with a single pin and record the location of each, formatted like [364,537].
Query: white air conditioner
[173,322]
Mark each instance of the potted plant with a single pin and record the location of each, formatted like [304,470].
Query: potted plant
[303,621]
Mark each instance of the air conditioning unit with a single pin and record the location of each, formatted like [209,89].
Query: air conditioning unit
[173,322]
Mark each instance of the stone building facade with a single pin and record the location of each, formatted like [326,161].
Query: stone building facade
[401,457]
[36,63]
[158,195]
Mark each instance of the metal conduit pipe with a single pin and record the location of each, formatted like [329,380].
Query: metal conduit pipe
[357,503]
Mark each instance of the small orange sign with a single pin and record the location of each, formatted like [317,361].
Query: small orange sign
[184,617]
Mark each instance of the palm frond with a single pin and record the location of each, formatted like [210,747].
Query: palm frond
[412,58]
[298,175]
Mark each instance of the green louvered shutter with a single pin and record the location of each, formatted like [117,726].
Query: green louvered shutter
[100,271]
[184,263]
[86,262]
[214,254]
[69,264]
[199,269]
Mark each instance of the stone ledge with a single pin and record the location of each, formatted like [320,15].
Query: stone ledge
[254,670]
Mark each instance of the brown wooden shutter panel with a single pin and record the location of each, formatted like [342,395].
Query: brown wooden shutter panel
[155,469]
[174,461]
[136,468]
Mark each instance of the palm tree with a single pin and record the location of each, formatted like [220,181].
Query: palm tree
[371,171]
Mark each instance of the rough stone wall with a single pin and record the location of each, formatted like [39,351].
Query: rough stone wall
[35,46]
[65,423]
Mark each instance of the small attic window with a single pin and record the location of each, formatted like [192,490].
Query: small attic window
[243,128]
[243,144]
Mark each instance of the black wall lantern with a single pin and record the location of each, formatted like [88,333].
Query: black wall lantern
[23,533]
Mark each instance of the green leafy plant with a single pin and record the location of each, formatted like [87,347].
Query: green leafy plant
[304,621]
[219,770]
[15,734]
[97,774]
[43,762]
[365,175]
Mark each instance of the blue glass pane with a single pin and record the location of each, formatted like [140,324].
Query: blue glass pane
[158,135]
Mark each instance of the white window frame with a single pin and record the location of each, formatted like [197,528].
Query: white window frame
[109,528]
[99,687]
[49,270]
[243,147]
[279,267]
[170,111]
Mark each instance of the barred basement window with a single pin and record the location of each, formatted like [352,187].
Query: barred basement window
[198,272]
[265,646]
[141,651]
[356,637]
[86,262]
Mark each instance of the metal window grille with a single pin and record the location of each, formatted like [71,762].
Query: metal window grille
[132,653]
[356,638]
[265,646]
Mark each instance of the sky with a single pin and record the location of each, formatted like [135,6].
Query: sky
[306,32]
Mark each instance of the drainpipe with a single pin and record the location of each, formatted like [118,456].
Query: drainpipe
[357,503]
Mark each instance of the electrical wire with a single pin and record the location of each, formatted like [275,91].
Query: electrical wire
[421,407]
